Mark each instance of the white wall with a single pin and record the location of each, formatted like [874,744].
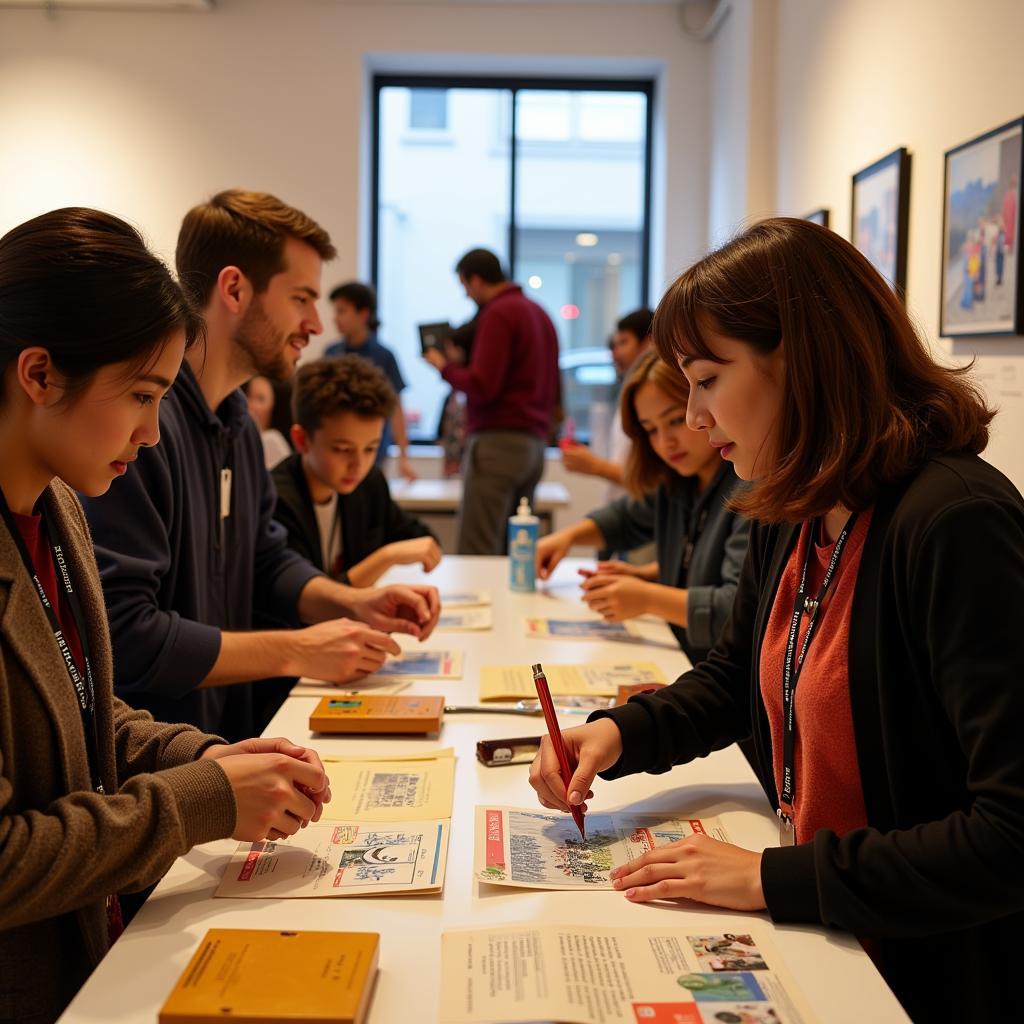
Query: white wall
[146,114]
[851,81]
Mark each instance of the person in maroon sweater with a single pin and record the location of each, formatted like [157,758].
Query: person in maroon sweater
[512,389]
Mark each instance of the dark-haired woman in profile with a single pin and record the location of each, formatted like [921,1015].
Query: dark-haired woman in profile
[880,602]
[95,798]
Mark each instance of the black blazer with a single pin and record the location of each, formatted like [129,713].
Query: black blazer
[935,659]
[369,517]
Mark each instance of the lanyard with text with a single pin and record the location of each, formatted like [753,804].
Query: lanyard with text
[82,682]
[791,672]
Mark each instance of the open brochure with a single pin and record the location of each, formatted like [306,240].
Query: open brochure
[539,849]
[308,687]
[465,618]
[390,789]
[513,682]
[596,975]
[350,859]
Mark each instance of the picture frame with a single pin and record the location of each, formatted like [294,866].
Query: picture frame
[819,216]
[880,215]
[982,285]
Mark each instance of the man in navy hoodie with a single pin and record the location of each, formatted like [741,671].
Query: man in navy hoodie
[189,553]
[512,389]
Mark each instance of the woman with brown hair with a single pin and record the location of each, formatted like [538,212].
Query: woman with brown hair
[875,648]
[678,493]
[95,797]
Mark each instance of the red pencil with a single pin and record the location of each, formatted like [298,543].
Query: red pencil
[544,695]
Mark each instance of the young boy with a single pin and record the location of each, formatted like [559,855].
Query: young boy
[331,497]
[355,316]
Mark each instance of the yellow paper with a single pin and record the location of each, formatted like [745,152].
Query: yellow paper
[515,682]
[393,789]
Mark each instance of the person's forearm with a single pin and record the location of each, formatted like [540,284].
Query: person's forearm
[608,470]
[400,430]
[585,532]
[247,656]
[648,571]
[371,568]
[322,598]
[668,603]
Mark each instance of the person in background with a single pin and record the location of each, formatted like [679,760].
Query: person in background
[95,797]
[190,555]
[632,338]
[331,496]
[259,394]
[512,388]
[875,645]
[679,492]
[355,317]
[451,428]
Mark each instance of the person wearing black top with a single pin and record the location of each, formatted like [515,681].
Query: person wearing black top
[875,647]
[331,498]
[680,491]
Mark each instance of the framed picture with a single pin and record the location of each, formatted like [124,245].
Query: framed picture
[880,215]
[818,216]
[981,222]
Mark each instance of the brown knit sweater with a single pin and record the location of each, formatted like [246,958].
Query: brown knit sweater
[63,848]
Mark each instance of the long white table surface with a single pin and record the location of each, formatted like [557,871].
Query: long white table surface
[837,979]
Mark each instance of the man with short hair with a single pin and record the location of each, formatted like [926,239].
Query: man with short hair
[512,390]
[631,339]
[355,317]
[189,553]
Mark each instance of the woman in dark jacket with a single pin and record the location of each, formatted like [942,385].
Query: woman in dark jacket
[679,488]
[875,647]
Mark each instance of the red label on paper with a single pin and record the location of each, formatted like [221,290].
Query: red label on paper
[671,1013]
[495,840]
[698,827]
[249,866]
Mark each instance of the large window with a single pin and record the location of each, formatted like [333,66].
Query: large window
[553,176]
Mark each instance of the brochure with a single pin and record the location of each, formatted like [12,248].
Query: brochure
[705,974]
[538,849]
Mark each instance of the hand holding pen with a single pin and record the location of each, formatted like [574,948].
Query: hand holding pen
[563,781]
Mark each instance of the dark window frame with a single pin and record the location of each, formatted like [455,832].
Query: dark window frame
[513,84]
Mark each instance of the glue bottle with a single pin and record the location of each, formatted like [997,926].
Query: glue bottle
[523,528]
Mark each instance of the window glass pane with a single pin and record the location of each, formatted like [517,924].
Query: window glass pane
[436,201]
[428,108]
[544,116]
[579,234]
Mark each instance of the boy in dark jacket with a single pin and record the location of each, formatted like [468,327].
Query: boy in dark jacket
[331,498]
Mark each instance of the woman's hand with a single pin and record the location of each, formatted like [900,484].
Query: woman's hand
[616,597]
[696,868]
[551,549]
[590,748]
[318,794]
[649,571]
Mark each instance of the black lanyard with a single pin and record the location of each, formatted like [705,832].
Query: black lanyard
[82,682]
[791,672]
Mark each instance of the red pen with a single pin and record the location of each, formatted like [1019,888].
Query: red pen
[544,695]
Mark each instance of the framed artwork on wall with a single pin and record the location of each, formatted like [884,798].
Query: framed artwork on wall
[880,215]
[981,221]
[818,216]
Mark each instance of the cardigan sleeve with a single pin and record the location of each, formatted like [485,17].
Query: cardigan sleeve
[705,709]
[57,858]
[709,606]
[960,590]
[626,523]
[143,745]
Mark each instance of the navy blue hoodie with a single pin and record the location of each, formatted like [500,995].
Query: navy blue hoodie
[175,572]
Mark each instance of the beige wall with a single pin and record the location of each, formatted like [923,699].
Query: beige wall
[144,114]
[851,80]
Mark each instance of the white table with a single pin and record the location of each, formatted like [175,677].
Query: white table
[836,977]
